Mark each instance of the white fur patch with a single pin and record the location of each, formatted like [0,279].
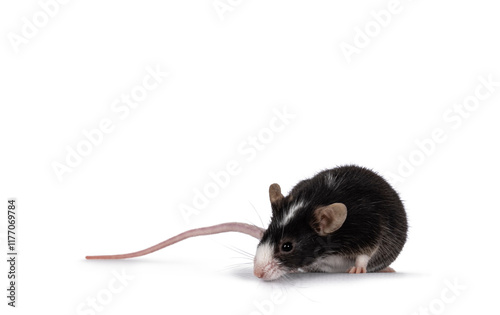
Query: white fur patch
[362,261]
[264,255]
[291,212]
[265,266]
[329,179]
[332,263]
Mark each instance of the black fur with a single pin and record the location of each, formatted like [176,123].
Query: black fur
[375,219]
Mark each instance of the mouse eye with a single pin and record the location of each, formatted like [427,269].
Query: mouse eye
[286,247]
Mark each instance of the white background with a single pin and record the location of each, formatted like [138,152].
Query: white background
[227,77]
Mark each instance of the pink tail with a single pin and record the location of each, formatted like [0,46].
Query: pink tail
[251,230]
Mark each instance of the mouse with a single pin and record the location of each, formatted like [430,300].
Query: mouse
[344,219]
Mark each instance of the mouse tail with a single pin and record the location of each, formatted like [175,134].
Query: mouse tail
[244,228]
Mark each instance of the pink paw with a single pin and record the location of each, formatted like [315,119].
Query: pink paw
[357,270]
[387,269]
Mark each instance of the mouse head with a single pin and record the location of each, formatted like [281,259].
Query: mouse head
[298,234]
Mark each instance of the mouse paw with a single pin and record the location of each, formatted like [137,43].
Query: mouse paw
[355,269]
[360,264]
[387,269]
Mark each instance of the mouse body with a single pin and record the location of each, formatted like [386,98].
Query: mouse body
[343,219]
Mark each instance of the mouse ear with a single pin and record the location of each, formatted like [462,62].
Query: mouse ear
[329,219]
[275,193]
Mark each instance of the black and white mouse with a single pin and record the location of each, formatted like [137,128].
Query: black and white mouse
[345,219]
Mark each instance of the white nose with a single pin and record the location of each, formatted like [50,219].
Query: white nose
[263,261]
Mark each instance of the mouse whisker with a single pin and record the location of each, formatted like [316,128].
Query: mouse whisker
[240,251]
[258,215]
[239,265]
[240,257]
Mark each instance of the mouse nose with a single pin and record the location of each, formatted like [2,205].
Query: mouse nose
[259,273]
